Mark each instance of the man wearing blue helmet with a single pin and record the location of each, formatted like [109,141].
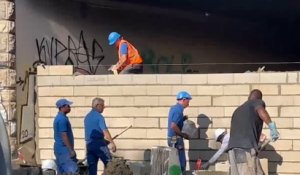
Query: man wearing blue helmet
[175,124]
[130,60]
[64,140]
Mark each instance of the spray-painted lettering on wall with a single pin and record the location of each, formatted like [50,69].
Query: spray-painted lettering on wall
[55,52]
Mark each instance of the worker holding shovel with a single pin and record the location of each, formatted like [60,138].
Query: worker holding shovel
[246,127]
[96,137]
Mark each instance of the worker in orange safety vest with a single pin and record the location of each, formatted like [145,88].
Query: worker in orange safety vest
[130,61]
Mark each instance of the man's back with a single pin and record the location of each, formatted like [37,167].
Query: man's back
[94,125]
[246,125]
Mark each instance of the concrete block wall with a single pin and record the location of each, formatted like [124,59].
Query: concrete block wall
[144,100]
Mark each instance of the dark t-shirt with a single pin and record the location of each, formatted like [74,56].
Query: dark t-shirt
[246,125]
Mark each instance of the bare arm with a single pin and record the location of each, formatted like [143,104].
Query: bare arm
[263,114]
[109,138]
[66,140]
[178,132]
[121,61]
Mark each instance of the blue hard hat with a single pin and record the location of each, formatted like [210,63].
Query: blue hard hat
[61,102]
[183,95]
[113,37]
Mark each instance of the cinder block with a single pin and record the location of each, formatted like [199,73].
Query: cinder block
[72,80]
[236,89]
[289,134]
[61,70]
[77,101]
[80,144]
[46,143]
[140,144]
[7,10]
[267,89]
[201,101]
[44,112]
[47,154]
[7,43]
[47,101]
[220,78]
[45,122]
[119,122]
[110,90]
[194,79]
[85,91]
[78,133]
[120,79]
[79,111]
[146,101]
[45,133]
[121,101]
[56,91]
[144,79]
[273,77]
[296,144]
[169,79]
[284,122]
[212,111]
[210,90]
[279,100]
[146,122]
[286,168]
[280,145]
[296,122]
[246,78]
[159,90]
[167,101]
[290,111]
[8,95]
[221,122]
[7,59]
[134,90]
[163,122]
[191,111]
[77,122]
[158,111]
[176,89]
[7,78]
[48,80]
[43,70]
[156,133]
[290,89]
[126,111]
[292,77]
[290,156]
[95,79]
[7,26]
[132,133]
[226,101]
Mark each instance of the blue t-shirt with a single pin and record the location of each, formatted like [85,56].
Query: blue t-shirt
[124,49]
[175,116]
[94,125]
[62,124]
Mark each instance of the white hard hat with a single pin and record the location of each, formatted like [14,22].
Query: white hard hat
[218,132]
[49,165]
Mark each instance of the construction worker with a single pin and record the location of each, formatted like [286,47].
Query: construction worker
[223,137]
[246,127]
[96,132]
[64,141]
[130,60]
[175,124]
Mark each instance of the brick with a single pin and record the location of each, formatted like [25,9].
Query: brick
[245,78]
[284,122]
[167,101]
[290,111]
[8,95]
[7,59]
[7,77]
[163,122]
[47,101]
[210,90]
[220,78]
[45,133]
[43,70]
[201,101]
[61,70]
[190,89]
[296,100]
[146,122]
[139,144]
[288,167]
[227,100]
[7,43]
[47,154]
[78,101]
[280,145]
[267,89]
[221,122]
[194,79]
[158,111]
[290,155]
[144,79]
[279,100]
[296,122]
[296,144]
[55,91]
[72,80]
[292,77]
[212,111]
[85,91]
[7,26]
[95,79]
[146,101]
[78,133]
[273,111]
[77,122]
[44,112]
[156,133]
[120,79]
[126,111]
[79,144]
[48,80]
[290,89]
[289,133]
[132,133]
[46,143]
[273,77]
[190,111]
[169,79]
[119,122]
[80,111]
[110,90]
[134,90]
[159,90]
[45,122]
[236,89]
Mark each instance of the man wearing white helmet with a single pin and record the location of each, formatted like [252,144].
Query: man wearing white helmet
[175,124]
[130,61]
[222,137]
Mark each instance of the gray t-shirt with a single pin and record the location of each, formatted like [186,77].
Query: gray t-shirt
[246,125]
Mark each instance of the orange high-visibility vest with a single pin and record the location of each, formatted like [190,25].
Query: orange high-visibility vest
[133,56]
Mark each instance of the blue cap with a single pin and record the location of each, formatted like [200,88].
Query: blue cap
[61,102]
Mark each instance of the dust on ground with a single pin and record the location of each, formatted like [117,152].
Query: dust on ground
[118,166]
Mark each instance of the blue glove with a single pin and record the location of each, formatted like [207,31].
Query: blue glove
[274,133]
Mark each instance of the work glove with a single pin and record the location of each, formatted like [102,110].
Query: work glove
[274,133]
[205,166]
